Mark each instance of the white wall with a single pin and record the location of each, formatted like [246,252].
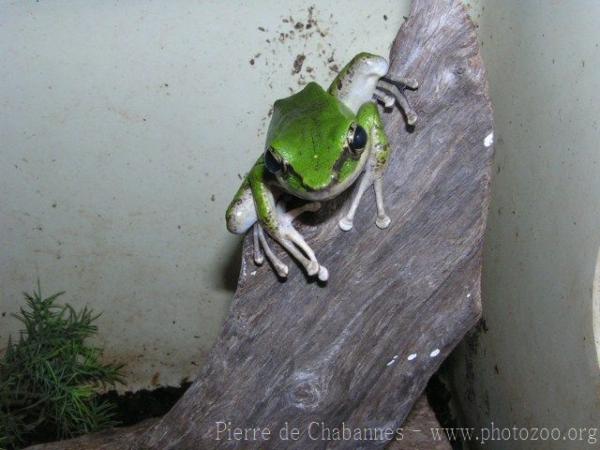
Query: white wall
[123,129]
[534,363]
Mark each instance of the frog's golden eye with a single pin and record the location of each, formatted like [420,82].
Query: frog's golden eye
[357,140]
[274,163]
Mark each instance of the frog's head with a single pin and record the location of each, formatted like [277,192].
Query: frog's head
[315,147]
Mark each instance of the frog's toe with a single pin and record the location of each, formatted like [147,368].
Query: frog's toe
[411,117]
[388,100]
[323,273]
[345,224]
[383,222]
[281,269]
[259,257]
[312,268]
[410,83]
[293,243]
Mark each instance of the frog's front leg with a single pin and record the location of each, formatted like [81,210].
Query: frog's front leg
[379,152]
[240,216]
[286,219]
[273,218]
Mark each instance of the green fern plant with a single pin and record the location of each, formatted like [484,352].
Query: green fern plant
[50,377]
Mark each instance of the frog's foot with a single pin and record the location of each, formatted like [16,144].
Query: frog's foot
[290,239]
[294,243]
[371,177]
[347,222]
[383,220]
[389,91]
[280,267]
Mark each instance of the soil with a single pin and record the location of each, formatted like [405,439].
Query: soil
[440,398]
[130,408]
[133,407]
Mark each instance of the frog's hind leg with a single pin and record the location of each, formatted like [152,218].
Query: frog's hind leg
[292,241]
[347,222]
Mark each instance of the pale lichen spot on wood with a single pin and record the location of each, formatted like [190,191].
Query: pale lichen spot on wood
[434,353]
[411,356]
[392,361]
[489,139]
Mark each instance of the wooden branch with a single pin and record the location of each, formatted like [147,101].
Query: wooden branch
[359,351]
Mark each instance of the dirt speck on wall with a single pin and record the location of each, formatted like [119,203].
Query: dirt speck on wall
[314,33]
[297,66]
[306,41]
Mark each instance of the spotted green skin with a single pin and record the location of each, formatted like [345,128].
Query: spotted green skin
[309,130]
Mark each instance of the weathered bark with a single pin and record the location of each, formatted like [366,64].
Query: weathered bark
[359,350]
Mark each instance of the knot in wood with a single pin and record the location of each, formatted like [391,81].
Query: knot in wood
[305,391]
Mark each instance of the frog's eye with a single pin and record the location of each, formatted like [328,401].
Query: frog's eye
[357,139]
[273,163]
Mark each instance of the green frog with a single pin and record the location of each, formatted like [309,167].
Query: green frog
[318,144]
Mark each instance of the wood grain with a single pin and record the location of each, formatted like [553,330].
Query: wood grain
[298,352]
